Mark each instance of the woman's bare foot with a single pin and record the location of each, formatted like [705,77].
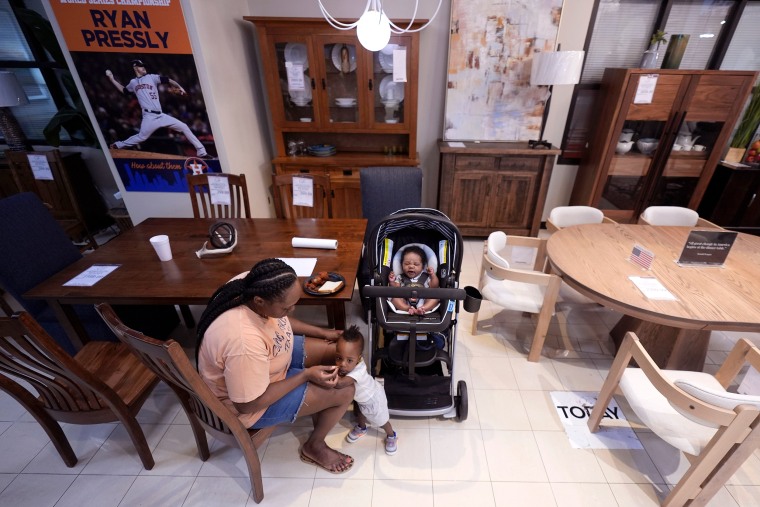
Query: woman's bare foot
[326,458]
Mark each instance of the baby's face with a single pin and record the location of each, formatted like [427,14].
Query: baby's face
[412,264]
[347,356]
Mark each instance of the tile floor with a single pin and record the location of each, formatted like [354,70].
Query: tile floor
[511,450]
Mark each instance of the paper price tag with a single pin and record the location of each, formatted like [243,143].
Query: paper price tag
[219,190]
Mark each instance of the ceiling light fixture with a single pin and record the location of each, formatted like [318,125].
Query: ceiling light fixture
[374,28]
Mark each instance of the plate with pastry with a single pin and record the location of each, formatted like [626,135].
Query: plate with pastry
[324,283]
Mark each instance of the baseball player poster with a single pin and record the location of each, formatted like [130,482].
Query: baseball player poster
[136,64]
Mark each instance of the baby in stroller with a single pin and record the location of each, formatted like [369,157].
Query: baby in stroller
[414,271]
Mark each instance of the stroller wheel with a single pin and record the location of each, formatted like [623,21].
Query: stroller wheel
[461,400]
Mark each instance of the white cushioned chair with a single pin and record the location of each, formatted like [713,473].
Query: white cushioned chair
[566,216]
[526,288]
[674,215]
[692,411]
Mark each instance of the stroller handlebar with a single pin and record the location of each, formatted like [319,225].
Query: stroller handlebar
[406,292]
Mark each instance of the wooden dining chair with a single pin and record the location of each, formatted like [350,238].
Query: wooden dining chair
[104,382]
[524,288]
[202,202]
[282,191]
[168,360]
[567,216]
[674,215]
[694,412]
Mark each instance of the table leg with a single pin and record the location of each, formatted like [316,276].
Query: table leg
[336,315]
[71,324]
[671,348]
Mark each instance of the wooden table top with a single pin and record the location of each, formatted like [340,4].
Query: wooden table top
[593,259]
[143,279]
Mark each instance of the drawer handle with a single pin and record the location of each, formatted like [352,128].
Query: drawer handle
[324,85]
[370,85]
[348,172]
[313,84]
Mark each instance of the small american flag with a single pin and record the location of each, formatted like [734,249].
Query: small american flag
[642,256]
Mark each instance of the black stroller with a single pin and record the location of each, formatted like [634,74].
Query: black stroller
[414,354]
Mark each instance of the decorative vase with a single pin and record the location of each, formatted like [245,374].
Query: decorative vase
[676,48]
[649,58]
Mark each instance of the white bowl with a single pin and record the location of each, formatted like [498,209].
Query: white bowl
[647,145]
[301,102]
[345,101]
[305,120]
[623,147]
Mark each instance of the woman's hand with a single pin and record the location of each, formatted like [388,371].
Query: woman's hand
[325,376]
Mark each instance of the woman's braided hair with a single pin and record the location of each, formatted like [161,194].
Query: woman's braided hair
[269,279]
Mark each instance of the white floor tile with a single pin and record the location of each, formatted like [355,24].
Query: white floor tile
[158,491]
[457,493]
[19,444]
[565,464]
[35,490]
[513,456]
[411,462]
[458,455]
[227,491]
[331,492]
[176,453]
[520,494]
[583,495]
[402,493]
[86,440]
[501,409]
[100,490]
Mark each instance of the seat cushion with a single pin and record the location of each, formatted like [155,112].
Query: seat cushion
[518,296]
[656,412]
[566,216]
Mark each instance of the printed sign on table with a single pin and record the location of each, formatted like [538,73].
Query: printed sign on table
[137,68]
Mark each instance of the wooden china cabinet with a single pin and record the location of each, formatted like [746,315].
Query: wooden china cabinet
[679,122]
[324,88]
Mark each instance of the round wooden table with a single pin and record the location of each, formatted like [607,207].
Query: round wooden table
[594,260]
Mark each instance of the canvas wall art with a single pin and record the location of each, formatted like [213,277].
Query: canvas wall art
[489,97]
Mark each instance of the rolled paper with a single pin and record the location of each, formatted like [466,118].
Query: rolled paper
[326,244]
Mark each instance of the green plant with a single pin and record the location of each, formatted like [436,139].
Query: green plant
[749,122]
[658,38]
[72,118]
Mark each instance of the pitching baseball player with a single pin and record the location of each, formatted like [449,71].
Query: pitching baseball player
[145,88]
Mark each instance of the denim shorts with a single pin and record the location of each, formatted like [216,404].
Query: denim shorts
[286,408]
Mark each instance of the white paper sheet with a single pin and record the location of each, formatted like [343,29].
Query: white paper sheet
[303,266]
[295,76]
[303,192]
[40,167]
[91,275]
[456,144]
[326,244]
[652,288]
[219,190]
[399,65]
[645,90]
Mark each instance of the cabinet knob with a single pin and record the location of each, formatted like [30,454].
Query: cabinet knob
[370,85]
[324,85]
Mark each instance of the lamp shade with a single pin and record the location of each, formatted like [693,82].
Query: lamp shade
[11,93]
[373,30]
[556,68]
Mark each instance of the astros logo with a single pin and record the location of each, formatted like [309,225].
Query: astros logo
[196,165]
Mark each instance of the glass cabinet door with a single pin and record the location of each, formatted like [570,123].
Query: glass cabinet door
[340,84]
[388,97]
[295,72]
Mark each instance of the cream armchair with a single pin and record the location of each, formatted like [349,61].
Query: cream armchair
[692,411]
[566,216]
[674,215]
[524,289]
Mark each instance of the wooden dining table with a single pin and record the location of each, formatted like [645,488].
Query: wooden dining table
[594,260]
[141,278]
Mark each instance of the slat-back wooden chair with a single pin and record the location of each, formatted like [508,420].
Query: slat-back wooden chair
[282,190]
[204,410]
[103,382]
[200,196]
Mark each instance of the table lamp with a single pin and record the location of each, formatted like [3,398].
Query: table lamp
[549,69]
[11,94]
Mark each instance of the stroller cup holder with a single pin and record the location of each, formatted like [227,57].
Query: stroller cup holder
[472,300]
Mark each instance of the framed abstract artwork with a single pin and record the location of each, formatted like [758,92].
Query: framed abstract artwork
[491,47]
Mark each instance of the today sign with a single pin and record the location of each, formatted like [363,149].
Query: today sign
[574,409]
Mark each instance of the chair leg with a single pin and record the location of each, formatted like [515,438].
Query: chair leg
[617,369]
[50,425]
[187,315]
[201,442]
[138,439]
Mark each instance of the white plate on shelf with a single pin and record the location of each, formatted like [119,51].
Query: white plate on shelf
[351,56]
[386,59]
[295,52]
[390,90]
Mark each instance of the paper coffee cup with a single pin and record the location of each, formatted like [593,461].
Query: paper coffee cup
[161,245]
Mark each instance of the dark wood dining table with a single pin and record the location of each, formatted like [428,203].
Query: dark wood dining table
[594,260]
[142,278]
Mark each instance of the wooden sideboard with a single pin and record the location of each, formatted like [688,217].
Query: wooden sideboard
[489,186]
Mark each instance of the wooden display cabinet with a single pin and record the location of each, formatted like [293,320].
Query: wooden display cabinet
[323,87]
[668,109]
[484,187]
